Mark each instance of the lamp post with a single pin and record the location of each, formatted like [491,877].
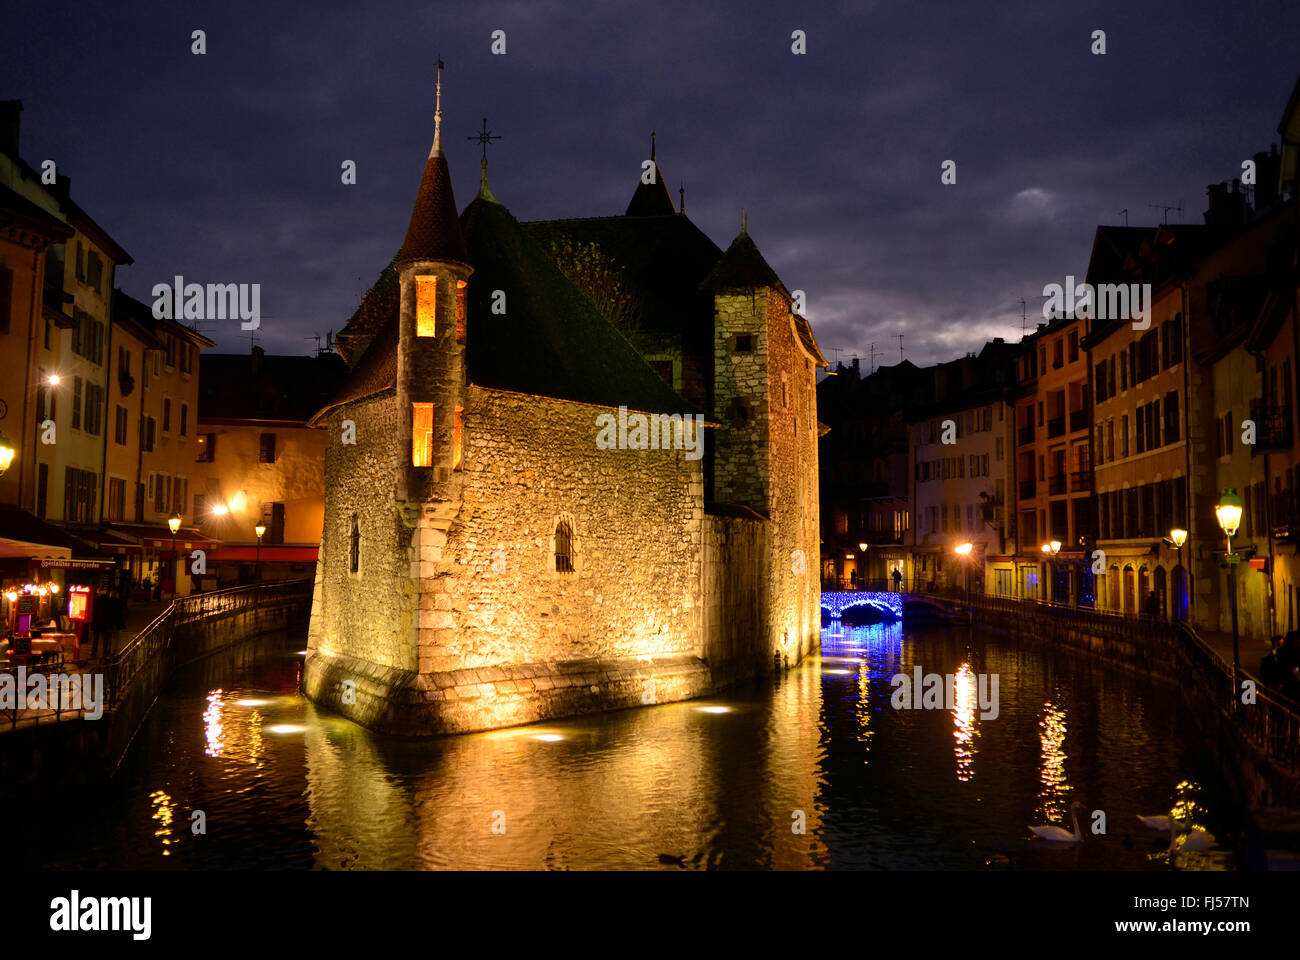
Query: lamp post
[1178,537]
[1229,513]
[862,564]
[1051,549]
[174,524]
[963,550]
[257,568]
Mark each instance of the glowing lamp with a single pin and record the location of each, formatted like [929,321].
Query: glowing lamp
[174,522]
[259,530]
[52,379]
[1229,511]
[220,510]
[6,453]
[54,587]
[963,549]
[1178,537]
[863,547]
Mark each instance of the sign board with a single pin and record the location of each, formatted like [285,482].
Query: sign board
[79,603]
[65,564]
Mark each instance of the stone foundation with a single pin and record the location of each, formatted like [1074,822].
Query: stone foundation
[405,703]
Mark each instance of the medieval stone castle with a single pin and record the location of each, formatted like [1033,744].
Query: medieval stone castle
[485,560]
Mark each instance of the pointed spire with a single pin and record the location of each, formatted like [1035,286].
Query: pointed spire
[651,199]
[681,197]
[436,151]
[744,223]
[484,190]
[434,231]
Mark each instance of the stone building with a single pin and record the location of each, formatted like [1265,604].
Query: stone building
[962,473]
[573,468]
[1054,464]
[256,461]
[865,455]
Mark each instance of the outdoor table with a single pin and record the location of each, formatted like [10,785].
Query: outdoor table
[41,650]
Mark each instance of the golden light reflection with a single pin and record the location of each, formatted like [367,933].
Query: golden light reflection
[1051,735]
[963,718]
[212,727]
[164,812]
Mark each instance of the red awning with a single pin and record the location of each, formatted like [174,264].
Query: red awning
[270,554]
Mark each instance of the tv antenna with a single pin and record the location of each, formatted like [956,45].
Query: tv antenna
[900,348]
[1166,207]
[1124,213]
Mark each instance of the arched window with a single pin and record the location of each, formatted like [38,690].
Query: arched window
[354,547]
[563,547]
[1130,583]
[1112,579]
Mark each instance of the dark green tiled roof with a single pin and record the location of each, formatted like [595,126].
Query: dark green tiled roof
[742,267]
[651,199]
[643,273]
[552,341]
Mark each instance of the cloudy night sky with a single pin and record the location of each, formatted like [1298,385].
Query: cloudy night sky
[226,167]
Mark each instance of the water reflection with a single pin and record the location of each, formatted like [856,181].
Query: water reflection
[815,771]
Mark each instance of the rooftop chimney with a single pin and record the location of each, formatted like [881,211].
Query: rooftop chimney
[1267,168]
[856,372]
[10,122]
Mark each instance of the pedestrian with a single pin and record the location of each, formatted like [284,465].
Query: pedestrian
[101,619]
[1289,666]
[1270,667]
[897,577]
[119,618]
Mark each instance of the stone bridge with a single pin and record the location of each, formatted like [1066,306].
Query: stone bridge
[836,602]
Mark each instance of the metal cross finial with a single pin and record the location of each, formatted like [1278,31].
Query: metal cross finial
[681,193]
[484,138]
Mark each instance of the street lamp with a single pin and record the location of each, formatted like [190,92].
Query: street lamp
[6,453]
[1229,513]
[963,550]
[174,524]
[1178,537]
[257,569]
[1050,549]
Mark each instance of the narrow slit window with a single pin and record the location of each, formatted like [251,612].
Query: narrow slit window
[354,547]
[460,310]
[422,434]
[426,299]
[563,547]
[456,445]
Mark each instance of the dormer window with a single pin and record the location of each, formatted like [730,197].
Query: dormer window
[426,298]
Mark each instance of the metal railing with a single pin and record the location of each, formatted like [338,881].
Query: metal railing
[1271,724]
[1056,426]
[125,667]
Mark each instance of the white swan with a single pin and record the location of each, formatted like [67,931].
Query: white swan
[1196,839]
[1161,822]
[1060,834]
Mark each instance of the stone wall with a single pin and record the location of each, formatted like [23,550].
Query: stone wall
[735,591]
[740,401]
[368,614]
[792,505]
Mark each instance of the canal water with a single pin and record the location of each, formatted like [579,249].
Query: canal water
[817,770]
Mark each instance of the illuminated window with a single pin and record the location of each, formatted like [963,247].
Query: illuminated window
[456,441]
[422,434]
[563,547]
[426,289]
[460,310]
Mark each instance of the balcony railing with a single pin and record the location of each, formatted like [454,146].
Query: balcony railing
[1025,436]
[1028,488]
[1078,420]
[1056,484]
[1081,480]
[1056,426]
